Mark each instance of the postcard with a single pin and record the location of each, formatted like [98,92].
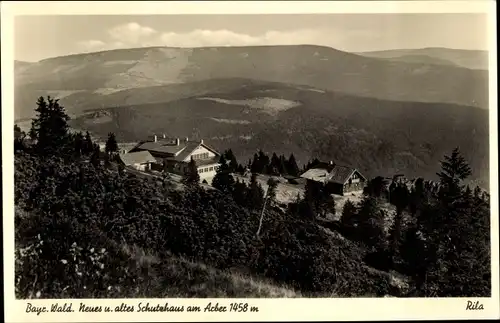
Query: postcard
[249,161]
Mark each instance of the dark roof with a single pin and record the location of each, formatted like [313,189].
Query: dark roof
[202,162]
[189,148]
[316,174]
[140,157]
[168,148]
[326,172]
[340,174]
[165,147]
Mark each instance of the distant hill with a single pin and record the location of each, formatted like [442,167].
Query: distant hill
[379,137]
[81,78]
[472,59]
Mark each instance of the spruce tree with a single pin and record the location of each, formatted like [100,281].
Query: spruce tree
[255,193]
[256,167]
[283,169]
[50,127]
[111,144]
[192,178]
[223,180]
[292,167]
[454,169]
[19,136]
[349,215]
[264,163]
[233,162]
[87,144]
[371,223]
[240,193]
[274,167]
[95,158]
[400,198]
[271,190]
[78,142]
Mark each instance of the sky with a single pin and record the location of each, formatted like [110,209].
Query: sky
[40,37]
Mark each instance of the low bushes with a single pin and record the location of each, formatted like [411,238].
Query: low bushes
[65,206]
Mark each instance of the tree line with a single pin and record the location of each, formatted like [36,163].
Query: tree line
[439,234]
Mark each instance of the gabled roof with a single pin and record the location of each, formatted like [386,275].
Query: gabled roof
[326,172]
[317,174]
[169,150]
[140,157]
[341,174]
[165,147]
[211,161]
[190,147]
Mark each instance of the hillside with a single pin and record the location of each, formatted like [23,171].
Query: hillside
[80,78]
[379,137]
[472,59]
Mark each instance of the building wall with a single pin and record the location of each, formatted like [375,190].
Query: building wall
[141,167]
[207,172]
[354,187]
[199,151]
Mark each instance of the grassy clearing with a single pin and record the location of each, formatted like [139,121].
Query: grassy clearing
[177,277]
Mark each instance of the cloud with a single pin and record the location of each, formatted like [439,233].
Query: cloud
[131,33]
[91,45]
[136,35]
[200,38]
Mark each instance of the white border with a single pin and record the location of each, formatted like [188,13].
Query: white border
[270,309]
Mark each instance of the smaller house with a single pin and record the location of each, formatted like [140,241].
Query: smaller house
[140,160]
[338,179]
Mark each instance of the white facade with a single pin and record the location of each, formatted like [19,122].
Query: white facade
[207,172]
[200,153]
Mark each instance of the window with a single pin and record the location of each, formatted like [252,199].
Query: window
[200,156]
[211,169]
[206,170]
[200,170]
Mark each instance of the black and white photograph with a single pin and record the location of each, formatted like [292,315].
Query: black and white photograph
[327,155]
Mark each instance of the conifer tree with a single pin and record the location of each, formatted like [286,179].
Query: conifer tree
[192,178]
[50,127]
[256,167]
[275,165]
[371,223]
[87,144]
[264,163]
[400,198]
[283,169]
[233,162]
[255,193]
[223,180]
[292,167]
[19,136]
[78,142]
[111,144]
[271,190]
[240,193]
[95,158]
[349,213]
[454,169]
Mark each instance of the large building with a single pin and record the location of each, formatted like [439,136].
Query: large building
[339,179]
[174,156]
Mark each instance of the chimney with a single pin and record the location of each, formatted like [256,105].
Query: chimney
[155,138]
[201,141]
[164,136]
[187,139]
[330,162]
[177,141]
